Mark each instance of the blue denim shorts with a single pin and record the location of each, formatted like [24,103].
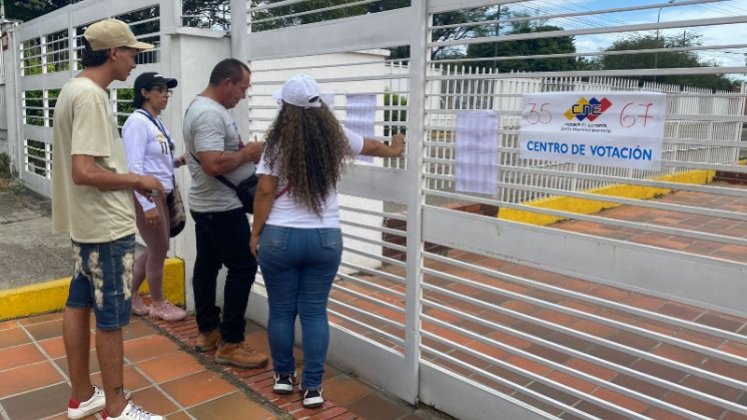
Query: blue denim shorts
[103,281]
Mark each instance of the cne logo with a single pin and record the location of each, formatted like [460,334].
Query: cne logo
[587,109]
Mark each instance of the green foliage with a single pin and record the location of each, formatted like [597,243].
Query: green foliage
[391,117]
[456,17]
[124,105]
[280,17]
[527,47]
[26,10]
[210,14]
[6,168]
[664,60]
[34,104]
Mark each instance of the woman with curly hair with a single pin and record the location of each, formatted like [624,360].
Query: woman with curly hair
[296,233]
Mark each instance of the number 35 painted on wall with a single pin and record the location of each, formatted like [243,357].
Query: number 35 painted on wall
[541,115]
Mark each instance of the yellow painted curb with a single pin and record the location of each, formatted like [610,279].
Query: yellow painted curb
[51,295]
[586,206]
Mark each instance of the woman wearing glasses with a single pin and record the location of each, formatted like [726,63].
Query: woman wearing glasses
[149,151]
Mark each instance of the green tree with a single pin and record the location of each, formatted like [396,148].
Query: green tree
[526,47]
[664,60]
[306,12]
[207,13]
[460,32]
[302,13]
[26,10]
[201,13]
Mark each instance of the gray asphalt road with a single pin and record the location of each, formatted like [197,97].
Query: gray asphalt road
[29,252]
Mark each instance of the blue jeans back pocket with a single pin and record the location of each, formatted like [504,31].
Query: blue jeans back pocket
[331,238]
[274,238]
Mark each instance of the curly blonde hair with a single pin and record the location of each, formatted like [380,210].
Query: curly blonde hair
[311,149]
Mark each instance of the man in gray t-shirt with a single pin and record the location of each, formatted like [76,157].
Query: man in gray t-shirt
[221,226]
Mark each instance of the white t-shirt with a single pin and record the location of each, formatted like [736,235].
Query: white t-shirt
[148,153]
[287,213]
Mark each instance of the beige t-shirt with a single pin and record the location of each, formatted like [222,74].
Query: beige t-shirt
[84,125]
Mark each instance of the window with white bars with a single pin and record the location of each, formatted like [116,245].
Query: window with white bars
[57,52]
[38,158]
[145,24]
[34,109]
[31,56]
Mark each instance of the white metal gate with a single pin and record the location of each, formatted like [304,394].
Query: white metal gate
[357,64]
[47,55]
[596,292]
[551,309]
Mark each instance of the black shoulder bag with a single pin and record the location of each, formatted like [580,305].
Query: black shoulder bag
[245,190]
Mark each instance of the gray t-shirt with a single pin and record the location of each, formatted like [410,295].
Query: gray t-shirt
[208,126]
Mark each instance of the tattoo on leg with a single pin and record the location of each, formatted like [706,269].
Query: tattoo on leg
[118,389]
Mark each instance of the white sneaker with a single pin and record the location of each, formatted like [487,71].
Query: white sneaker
[132,412]
[284,383]
[312,398]
[78,410]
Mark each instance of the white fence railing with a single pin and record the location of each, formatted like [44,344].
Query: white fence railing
[482,91]
[48,54]
[412,289]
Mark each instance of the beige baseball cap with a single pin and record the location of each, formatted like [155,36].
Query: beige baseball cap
[113,33]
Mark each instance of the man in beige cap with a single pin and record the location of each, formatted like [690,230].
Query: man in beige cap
[92,201]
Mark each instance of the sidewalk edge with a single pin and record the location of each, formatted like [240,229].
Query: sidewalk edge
[50,296]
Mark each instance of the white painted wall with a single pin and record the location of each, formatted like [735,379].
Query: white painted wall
[194,52]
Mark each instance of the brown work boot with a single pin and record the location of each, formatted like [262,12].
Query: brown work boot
[237,355]
[207,341]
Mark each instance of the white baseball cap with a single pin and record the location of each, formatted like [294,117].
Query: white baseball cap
[300,90]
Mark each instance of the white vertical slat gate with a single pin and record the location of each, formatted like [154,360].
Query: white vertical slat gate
[47,55]
[533,302]
[575,291]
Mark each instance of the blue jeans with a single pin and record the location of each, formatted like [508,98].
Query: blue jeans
[103,280]
[222,238]
[298,266]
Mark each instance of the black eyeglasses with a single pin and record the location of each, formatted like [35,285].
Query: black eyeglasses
[163,90]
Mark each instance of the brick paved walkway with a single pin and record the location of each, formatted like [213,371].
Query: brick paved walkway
[679,220]
[167,378]
[483,318]
[34,379]
[489,319]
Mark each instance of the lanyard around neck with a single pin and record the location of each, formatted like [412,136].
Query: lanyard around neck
[159,126]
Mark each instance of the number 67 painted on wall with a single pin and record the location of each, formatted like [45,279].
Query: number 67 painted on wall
[628,120]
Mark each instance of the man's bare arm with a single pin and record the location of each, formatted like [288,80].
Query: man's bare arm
[87,172]
[216,163]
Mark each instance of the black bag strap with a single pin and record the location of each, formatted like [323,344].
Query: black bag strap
[220,178]
[160,128]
